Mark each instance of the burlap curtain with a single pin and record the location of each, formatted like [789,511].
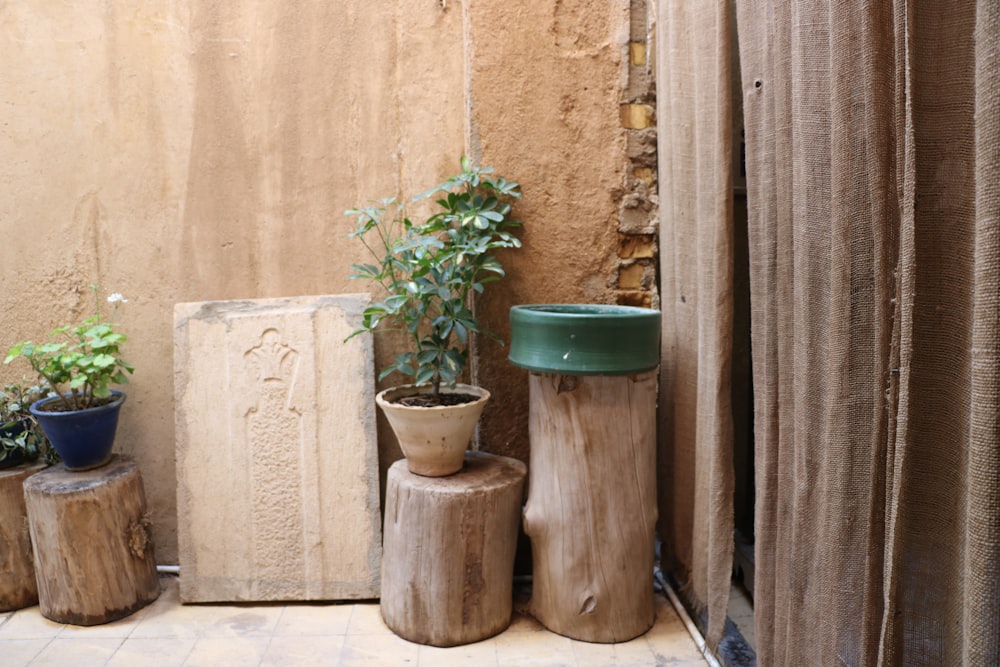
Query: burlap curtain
[873,173]
[696,261]
[873,164]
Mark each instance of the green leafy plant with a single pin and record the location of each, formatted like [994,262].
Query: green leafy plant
[21,438]
[431,270]
[81,362]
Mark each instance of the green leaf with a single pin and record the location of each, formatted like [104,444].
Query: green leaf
[424,375]
[427,357]
[104,361]
[429,267]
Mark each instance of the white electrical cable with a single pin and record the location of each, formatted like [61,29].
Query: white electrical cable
[692,629]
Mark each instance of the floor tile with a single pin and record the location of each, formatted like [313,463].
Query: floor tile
[305,651]
[741,613]
[480,654]
[78,652]
[636,653]
[586,654]
[28,623]
[196,621]
[376,649]
[524,623]
[154,652]
[534,648]
[227,652]
[120,629]
[305,620]
[168,634]
[366,619]
[669,639]
[244,622]
[19,652]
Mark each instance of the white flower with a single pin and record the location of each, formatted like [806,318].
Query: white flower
[117,298]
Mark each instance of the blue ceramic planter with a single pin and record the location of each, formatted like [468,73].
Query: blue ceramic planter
[83,438]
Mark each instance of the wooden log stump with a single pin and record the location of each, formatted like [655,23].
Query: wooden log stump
[17,570]
[448,550]
[90,534]
[591,510]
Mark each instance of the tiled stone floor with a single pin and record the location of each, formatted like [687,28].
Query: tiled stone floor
[168,634]
[741,613]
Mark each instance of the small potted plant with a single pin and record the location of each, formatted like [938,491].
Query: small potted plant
[430,271]
[21,439]
[78,365]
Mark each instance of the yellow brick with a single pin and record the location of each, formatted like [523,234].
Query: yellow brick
[644,174]
[635,298]
[630,277]
[636,246]
[638,116]
[637,53]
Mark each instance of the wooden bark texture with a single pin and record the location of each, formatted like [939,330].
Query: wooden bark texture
[17,570]
[90,534]
[591,510]
[448,563]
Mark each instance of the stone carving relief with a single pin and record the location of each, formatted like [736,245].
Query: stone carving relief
[272,424]
[277,458]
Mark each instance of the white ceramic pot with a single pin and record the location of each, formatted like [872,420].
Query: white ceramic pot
[433,439]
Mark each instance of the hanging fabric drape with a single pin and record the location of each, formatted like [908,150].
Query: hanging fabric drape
[696,260]
[873,150]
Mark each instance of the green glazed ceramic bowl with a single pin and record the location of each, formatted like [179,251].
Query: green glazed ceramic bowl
[585,339]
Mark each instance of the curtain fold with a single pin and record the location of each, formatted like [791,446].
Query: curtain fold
[696,261]
[872,161]
[981,609]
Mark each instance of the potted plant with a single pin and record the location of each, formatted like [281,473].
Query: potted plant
[430,272]
[79,364]
[21,439]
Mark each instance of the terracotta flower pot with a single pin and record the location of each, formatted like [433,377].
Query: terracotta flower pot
[433,439]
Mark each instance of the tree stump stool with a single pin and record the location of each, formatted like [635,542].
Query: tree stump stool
[90,533]
[17,570]
[591,510]
[448,550]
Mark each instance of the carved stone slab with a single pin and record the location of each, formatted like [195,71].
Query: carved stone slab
[277,459]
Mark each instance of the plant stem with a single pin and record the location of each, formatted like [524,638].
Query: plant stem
[52,384]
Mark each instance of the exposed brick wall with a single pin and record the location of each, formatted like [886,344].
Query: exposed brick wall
[637,214]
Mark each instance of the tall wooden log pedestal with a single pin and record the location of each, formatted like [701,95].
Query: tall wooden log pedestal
[90,534]
[17,571]
[448,550]
[591,510]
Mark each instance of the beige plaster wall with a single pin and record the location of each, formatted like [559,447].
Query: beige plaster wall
[190,150]
[544,107]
